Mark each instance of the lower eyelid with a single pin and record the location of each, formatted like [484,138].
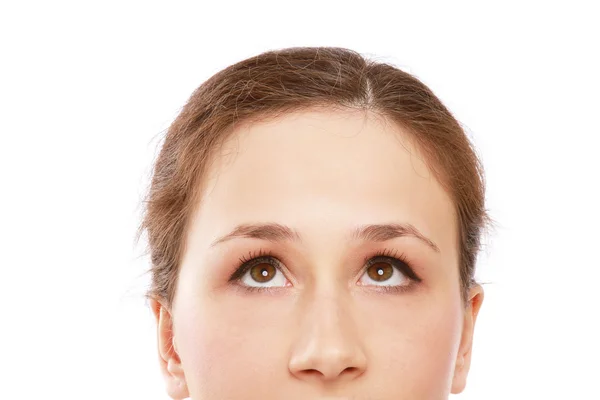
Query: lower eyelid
[275,261]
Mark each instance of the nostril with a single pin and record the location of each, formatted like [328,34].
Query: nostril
[350,370]
[312,372]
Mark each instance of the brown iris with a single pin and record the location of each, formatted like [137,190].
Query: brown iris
[380,271]
[262,272]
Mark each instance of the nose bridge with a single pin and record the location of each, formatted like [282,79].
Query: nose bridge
[328,345]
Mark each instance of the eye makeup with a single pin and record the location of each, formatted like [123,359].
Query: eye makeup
[386,256]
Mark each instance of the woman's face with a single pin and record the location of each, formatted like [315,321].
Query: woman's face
[349,287]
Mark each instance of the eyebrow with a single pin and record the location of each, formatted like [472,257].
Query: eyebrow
[274,232]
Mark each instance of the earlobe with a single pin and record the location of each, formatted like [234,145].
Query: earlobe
[170,363]
[463,357]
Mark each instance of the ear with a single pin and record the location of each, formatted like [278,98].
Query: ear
[170,363]
[463,358]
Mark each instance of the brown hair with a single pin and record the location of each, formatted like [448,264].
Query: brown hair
[274,83]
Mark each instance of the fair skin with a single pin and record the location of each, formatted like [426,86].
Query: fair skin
[320,323]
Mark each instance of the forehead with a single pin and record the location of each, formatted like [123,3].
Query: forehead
[334,165]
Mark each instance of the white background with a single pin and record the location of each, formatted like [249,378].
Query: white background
[87,90]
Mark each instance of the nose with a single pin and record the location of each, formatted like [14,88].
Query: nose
[328,347]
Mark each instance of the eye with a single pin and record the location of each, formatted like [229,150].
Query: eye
[383,273]
[263,274]
[386,270]
[260,271]
[264,270]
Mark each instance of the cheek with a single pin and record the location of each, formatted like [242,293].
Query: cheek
[418,342]
[228,340]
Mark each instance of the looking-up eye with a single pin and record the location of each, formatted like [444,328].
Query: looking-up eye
[263,270]
[385,269]
[260,270]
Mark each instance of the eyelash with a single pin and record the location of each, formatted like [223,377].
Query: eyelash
[245,263]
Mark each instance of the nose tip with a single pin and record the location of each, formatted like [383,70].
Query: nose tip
[328,366]
[329,352]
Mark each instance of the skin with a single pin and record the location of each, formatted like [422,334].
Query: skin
[322,328]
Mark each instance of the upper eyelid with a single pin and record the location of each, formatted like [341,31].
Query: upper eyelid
[393,255]
[385,253]
[247,263]
[251,257]
[408,271]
